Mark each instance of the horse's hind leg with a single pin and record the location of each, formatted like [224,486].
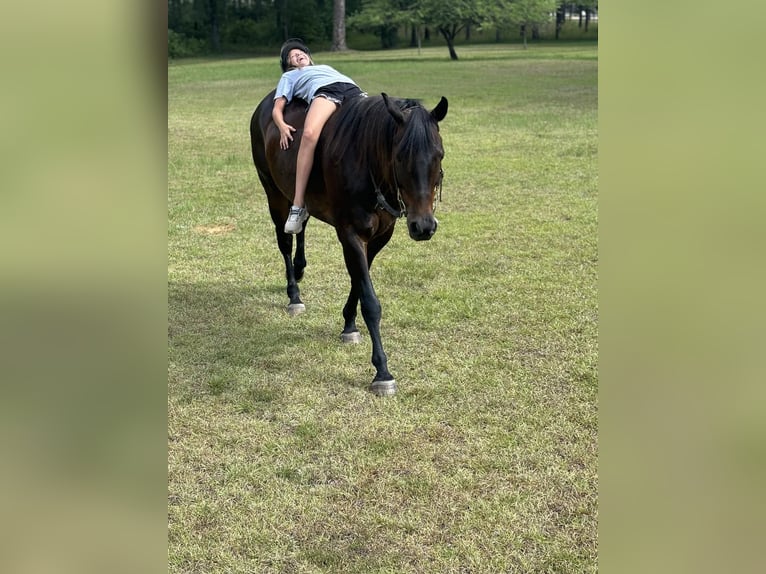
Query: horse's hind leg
[299,261]
[350,333]
[278,208]
[293,272]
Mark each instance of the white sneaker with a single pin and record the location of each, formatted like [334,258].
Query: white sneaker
[295,219]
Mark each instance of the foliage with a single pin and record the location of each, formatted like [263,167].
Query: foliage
[505,12]
[180,46]
[243,32]
[446,17]
[262,25]
[529,13]
[308,19]
[384,18]
[450,17]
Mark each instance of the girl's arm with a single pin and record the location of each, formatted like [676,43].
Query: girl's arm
[285,130]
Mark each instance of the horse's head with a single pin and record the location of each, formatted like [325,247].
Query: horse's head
[418,154]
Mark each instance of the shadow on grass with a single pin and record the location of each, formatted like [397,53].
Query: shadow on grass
[240,342]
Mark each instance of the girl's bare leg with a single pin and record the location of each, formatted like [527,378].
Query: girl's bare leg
[319,112]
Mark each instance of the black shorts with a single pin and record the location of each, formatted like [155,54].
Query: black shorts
[339,91]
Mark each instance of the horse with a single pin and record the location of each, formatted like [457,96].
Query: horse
[378,159]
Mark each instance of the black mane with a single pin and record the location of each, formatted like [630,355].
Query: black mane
[365,131]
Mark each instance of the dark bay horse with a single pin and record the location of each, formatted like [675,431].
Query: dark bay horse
[378,158]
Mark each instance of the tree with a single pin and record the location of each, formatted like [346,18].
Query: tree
[560,18]
[450,17]
[384,17]
[590,7]
[523,13]
[213,14]
[339,26]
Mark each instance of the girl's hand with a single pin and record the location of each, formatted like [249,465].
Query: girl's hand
[285,136]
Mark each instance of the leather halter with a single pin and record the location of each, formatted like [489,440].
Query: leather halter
[382,203]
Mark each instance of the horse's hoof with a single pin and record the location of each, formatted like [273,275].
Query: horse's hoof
[294,309]
[351,338]
[383,388]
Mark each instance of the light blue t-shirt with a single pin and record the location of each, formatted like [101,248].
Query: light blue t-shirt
[304,82]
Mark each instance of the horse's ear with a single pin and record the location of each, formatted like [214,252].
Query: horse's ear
[440,110]
[393,110]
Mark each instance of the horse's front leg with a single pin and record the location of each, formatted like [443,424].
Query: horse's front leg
[350,333]
[354,253]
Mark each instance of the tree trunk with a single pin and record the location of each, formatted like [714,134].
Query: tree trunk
[560,16]
[215,32]
[339,26]
[281,14]
[450,39]
[415,40]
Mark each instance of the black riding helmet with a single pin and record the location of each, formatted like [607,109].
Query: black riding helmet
[291,44]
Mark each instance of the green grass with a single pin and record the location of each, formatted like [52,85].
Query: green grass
[280,460]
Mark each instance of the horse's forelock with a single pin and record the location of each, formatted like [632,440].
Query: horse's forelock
[420,133]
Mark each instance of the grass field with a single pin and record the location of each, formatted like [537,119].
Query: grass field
[280,460]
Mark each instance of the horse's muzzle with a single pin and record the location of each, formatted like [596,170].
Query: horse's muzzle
[422,228]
